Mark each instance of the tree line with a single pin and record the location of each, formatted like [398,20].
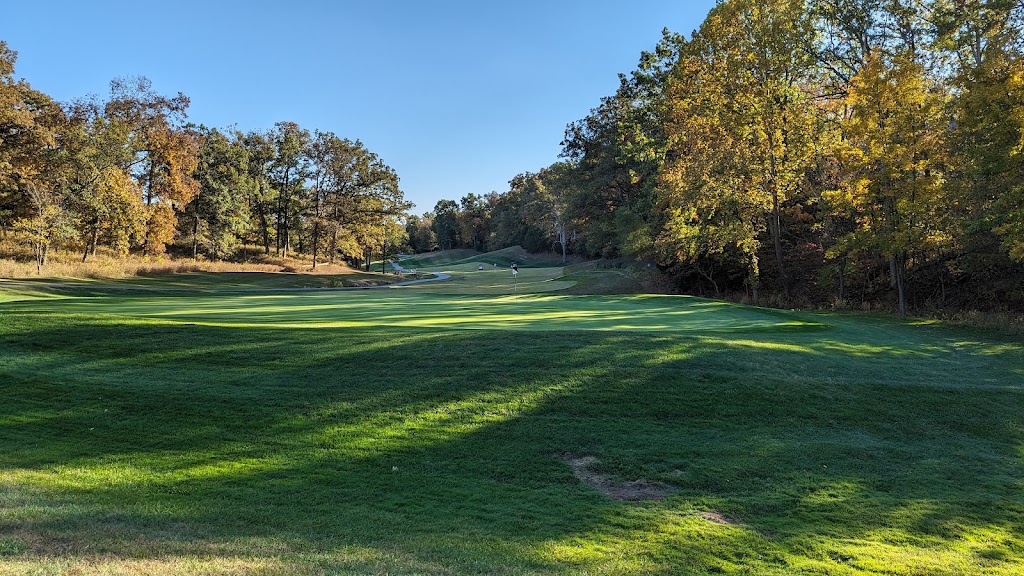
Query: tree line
[807,151]
[131,174]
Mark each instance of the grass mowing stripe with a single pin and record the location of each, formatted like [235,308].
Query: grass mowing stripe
[425,310]
[866,447]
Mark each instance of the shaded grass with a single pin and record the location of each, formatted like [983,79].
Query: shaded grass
[611,281]
[438,258]
[217,282]
[503,258]
[422,309]
[848,446]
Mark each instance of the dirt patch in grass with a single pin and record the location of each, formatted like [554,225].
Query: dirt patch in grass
[627,491]
[718,518]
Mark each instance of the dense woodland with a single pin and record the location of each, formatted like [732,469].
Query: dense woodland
[861,152]
[129,173]
[794,152]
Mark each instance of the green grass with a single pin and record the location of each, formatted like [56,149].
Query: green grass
[420,309]
[439,258]
[503,258]
[608,281]
[370,432]
[203,281]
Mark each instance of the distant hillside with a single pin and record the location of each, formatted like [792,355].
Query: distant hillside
[503,257]
[441,257]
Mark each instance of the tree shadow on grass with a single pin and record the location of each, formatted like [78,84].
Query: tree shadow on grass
[439,450]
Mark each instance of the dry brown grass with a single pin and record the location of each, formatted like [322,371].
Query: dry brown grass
[69,265]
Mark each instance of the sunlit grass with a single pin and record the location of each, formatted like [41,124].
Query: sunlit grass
[421,309]
[371,432]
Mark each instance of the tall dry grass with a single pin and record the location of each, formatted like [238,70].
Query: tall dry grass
[70,265]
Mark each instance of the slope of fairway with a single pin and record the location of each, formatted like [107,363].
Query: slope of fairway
[425,310]
[503,258]
[201,281]
[369,432]
[439,258]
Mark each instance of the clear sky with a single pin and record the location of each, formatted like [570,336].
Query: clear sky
[456,96]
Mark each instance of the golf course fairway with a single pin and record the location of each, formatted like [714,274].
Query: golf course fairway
[457,429]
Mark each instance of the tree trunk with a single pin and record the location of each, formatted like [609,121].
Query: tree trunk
[563,240]
[195,238]
[901,272]
[775,226]
[91,244]
[316,242]
[334,244]
[842,278]
[265,227]
[277,230]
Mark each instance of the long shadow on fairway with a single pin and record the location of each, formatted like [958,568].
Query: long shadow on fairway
[503,312]
[141,439]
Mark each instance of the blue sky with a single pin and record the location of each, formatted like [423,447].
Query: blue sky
[456,96]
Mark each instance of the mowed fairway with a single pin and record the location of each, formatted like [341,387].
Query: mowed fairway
[435,429]
[417,309]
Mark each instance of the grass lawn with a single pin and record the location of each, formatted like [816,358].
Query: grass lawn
[435,429]
[203,281]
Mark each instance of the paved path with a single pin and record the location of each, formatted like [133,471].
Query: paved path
[438,276]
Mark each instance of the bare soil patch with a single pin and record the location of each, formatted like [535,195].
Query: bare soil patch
[627,491]
[718,518]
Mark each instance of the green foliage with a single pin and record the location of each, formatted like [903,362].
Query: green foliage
[163,154]
[446,224]
[218,216]
[29,121]
[422,237]
[819,150]
[129,173]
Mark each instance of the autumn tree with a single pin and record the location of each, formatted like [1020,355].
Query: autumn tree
[29,121]
[92,164]
[743,129]
[984,42]
[614,156]
[895,161]
[164,153]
